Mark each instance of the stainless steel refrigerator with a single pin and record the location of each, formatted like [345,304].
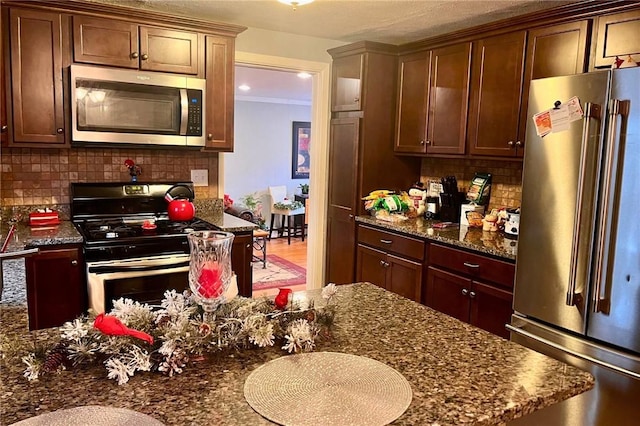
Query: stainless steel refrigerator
[577,288]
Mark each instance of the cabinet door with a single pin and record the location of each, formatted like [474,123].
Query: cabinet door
[404,277]
[168,50]
[448,293]
[618,35]
[219,106]
[371,266]
[551,52]
[4,123]
[413,95]
[36,78]
[105,42]
[496,92]
[343,186]
[56,290]
[491,308]
[448,99]
[346,83]
[241,257]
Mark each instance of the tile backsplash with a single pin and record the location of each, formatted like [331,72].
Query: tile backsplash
[506,188]
[37,177]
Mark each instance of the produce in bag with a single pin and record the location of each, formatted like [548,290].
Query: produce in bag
[480,189]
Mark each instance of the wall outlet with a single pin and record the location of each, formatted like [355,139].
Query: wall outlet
[200,177]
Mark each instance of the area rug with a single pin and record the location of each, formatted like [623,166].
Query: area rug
[278,273]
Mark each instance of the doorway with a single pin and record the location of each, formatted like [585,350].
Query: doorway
[319,135]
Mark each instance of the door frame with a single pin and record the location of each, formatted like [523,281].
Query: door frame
[318,177]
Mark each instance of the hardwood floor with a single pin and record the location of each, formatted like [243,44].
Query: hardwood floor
[296,253]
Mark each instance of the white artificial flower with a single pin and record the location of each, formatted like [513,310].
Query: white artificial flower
[74,330]
[33,367]
[262,336]
[300,337]
[328,291]
[168,347]
[124,309]
[140,359]
[118,370]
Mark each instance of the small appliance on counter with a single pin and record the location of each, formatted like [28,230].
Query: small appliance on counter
[44,217]
[450,200]
[512,225]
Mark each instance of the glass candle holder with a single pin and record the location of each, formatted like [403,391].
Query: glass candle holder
[210,272]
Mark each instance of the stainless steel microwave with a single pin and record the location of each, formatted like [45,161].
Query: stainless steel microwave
[116,106]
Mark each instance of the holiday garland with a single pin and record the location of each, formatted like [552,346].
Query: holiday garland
[166,339]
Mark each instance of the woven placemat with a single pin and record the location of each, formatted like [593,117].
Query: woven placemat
[327,388]
[93,415]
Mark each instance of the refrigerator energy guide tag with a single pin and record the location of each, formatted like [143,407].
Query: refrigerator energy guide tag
[557,119]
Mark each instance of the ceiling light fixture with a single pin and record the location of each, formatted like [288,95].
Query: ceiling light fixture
[295,3]
[304,75]
[244,87]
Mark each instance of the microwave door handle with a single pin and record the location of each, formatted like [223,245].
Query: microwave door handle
[184,108]
[105,269]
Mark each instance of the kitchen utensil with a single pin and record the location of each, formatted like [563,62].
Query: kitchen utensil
[180,199]
[8,238]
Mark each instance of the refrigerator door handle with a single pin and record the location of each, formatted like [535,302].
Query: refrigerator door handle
[616,108]
[591,111]
[565,349]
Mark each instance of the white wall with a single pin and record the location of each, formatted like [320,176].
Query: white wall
[262,150]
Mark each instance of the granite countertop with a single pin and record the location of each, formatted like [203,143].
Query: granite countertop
[492,243]
[459,374]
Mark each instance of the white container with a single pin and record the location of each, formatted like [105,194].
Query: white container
[464,208]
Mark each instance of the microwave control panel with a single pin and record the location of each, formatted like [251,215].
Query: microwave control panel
[194,121]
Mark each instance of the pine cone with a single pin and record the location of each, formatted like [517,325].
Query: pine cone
[57,357]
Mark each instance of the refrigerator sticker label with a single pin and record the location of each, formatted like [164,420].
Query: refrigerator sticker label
[575,110]
[542,121]
[559,118]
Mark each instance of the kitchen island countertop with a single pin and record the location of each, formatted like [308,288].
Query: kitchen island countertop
[459,374]
[492,243]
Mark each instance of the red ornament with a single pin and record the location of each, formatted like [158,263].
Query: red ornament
[210,281]
[112,326]
[618,62]
[282,299]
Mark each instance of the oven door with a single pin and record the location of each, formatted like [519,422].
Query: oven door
[143,280]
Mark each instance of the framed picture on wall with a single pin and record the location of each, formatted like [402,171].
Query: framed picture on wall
[300,160]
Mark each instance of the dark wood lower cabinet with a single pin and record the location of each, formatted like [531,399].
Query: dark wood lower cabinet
[483,305]
[241,255]
[393,273]
[56,289]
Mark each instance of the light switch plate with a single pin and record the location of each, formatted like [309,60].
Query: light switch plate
[200,177]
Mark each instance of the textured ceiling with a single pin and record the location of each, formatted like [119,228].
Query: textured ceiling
[387,21]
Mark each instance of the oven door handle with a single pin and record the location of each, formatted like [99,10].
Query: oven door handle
[115,269]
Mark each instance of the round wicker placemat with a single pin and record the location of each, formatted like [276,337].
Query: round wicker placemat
[327,388]
[93,415]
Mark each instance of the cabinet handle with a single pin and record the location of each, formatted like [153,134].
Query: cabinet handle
[144,57]
[385,241]
[134,55]
[428,142]
[350,216]
[422,142]
[472,294]
[59,130]
[383,264]
[518,143]
[465,291]
[471,265]
[356,100]
[4,128]
[74,263]
[510,143]
[209,136]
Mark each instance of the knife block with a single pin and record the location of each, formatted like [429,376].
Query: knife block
[451,212]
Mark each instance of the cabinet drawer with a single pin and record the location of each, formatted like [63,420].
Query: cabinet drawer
[390,242]
[474,265]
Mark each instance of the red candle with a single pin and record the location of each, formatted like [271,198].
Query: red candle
[210,281]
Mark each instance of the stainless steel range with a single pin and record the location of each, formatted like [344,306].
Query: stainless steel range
[131,248]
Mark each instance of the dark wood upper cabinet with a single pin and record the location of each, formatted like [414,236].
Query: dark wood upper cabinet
[36,66]
[433,95]
[123,44]
[552,52]
[413,98]
[220,54]
[618,35]
[448,99]
[346,83]
[496,94]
